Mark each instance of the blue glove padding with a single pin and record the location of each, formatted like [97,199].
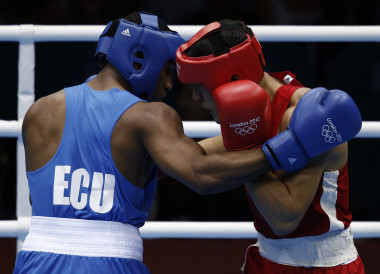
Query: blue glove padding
[321,120]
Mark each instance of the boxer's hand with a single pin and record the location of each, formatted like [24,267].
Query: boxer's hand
[321,120]
[244,112]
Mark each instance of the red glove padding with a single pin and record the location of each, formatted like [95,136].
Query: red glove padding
[244,112]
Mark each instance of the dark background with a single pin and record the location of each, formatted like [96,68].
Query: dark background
[353,67]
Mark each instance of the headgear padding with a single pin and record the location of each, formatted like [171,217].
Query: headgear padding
[138,52]
[245,59]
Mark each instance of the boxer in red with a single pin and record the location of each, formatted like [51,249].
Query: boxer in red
[300,208]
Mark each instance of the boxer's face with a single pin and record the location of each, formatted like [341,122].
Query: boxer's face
[201,95]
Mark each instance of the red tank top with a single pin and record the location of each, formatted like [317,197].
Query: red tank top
[329,210]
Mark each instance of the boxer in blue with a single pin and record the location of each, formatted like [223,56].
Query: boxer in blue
[92,150]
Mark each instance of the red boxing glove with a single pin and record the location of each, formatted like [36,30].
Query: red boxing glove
[244,112]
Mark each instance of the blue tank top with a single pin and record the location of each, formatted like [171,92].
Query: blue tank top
[81,181]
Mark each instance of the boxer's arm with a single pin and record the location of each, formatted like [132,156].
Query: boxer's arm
[282,199]
[42,129]
[161,131]
[213,145]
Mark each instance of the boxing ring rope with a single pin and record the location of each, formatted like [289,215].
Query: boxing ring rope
[28,35]
[194,129]
[193,230]
[80,33]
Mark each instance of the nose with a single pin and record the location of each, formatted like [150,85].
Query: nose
[168,85]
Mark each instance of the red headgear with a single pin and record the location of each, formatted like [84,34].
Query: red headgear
[245,59]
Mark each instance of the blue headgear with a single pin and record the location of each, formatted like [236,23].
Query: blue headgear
[138,52]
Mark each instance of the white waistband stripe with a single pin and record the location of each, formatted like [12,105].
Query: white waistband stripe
[84,238]
[328,249]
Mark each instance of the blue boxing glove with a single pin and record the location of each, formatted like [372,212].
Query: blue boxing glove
[321,120]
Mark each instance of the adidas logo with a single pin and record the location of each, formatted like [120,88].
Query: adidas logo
[125,32]
[288,79]
[292,160]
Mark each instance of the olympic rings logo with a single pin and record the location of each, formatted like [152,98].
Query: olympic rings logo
[246,130]
[328,134]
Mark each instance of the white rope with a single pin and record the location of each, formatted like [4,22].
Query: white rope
[231,230]
[90,33]
[189,230]
[205,129]
[369,130]
[10,128]
[193,129]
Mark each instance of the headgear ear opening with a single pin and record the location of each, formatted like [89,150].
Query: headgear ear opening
[138,52]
